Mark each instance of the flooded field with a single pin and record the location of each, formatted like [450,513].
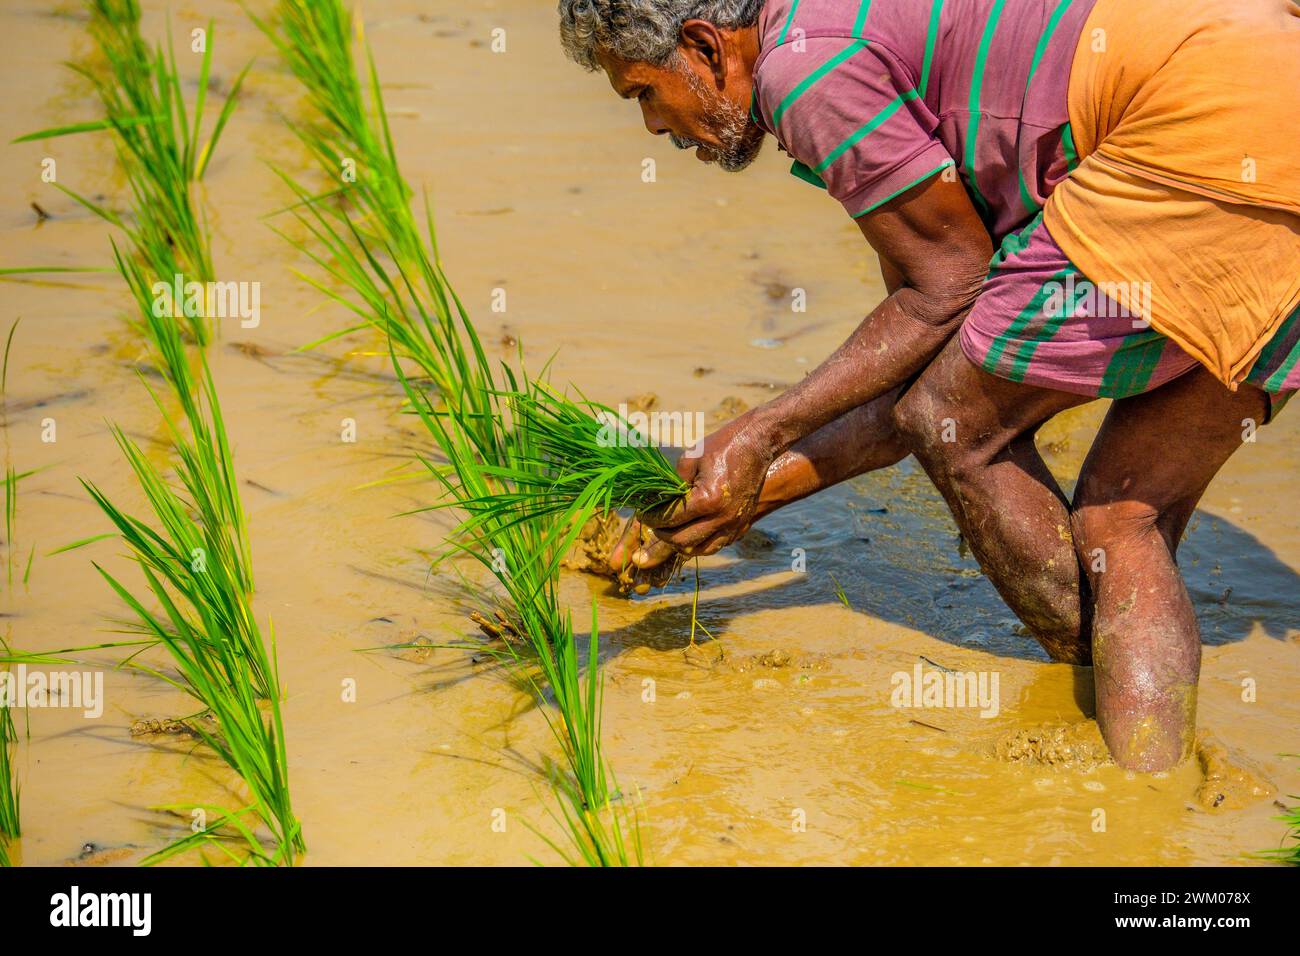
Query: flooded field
[778,742]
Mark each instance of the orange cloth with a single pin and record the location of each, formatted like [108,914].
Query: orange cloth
[1186,118]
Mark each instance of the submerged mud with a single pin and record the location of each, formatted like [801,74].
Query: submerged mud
[777,740]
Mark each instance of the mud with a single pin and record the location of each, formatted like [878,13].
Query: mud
[171,727]
[1076,746]
[593,549]
[1231,781]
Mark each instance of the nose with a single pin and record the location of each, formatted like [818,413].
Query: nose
[653,123]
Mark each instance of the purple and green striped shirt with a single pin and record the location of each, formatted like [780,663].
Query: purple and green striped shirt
[871,97]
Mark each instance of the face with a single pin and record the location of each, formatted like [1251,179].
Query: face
[683,101]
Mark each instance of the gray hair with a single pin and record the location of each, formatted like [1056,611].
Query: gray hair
[642,30]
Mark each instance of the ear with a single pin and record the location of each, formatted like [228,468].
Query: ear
[706,44]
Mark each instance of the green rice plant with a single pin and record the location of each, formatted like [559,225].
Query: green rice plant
[371,241]
[197,574]
[11,480]
[1288,849]
[194,552]
[158,145]
[10,829]
[365,238]
[11,520]
[9,342]
[1289,852]
[523,554]
[587,458]
[314,39]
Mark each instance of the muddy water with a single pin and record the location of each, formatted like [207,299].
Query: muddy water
[778,744]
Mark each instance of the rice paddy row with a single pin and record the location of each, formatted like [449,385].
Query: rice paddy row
[498,453]
[10,828]
[193,550]
[10,825]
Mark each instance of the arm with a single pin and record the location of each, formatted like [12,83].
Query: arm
[941,250]
[893,279]
[933,238]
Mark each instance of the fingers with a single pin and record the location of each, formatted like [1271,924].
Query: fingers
[628,542]
[653,554]
[632,550]
[701,537]
[670,515]
[687,465]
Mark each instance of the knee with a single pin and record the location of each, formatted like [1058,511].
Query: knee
[917,419]
[930,430]
[1099,527]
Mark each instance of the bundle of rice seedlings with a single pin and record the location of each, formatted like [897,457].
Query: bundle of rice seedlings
[370,244]
[586,459]
[158,145]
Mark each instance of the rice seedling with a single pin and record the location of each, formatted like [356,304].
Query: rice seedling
[523,554]
[11,519]
[11,480]
[367,220]
[840,593]
[10,829]
[314,39]
[196,571]
[158,145]
[369,243]
[1289,852]
[197,565]
[1288,849]
[9,343]
[194,551]
[587,459]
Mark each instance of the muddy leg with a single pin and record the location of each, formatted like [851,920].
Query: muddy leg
[974,435]
[1152,460]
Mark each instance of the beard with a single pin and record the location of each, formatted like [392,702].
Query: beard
[739,138]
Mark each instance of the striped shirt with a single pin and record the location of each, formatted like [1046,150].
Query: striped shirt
[871,97]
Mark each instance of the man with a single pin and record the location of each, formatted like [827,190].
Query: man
[1149,148]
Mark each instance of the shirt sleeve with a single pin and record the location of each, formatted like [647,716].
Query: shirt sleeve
[847,112]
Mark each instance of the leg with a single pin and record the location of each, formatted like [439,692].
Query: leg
[1153,458]
[974,435]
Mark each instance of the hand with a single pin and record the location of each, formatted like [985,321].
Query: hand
[633,549]
[726,480]
[640,561]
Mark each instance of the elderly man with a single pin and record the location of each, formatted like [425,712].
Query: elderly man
[1070,199]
